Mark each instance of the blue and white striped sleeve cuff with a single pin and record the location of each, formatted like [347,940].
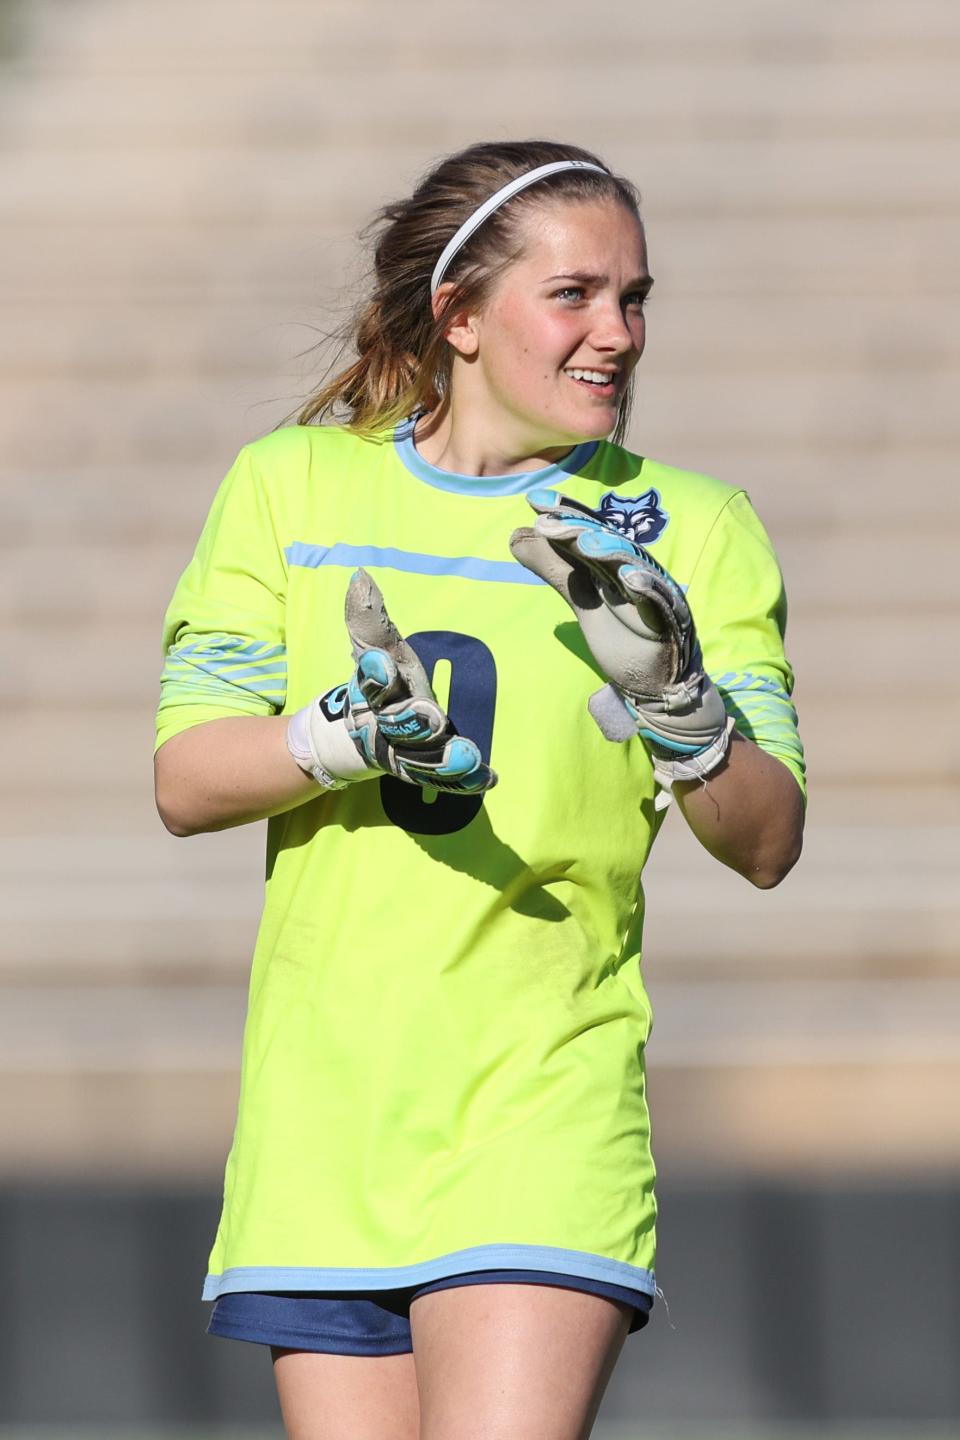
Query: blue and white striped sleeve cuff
[764,713]
[228,670]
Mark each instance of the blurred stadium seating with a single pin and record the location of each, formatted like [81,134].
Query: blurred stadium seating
[179,190]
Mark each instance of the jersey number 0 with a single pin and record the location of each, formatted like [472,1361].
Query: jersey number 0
[473,698]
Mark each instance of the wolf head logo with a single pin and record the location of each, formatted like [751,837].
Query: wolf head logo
[642,520]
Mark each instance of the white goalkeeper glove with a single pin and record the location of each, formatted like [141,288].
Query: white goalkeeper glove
[385,720]
[638,627]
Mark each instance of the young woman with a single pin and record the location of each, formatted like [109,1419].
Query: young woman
[439,1204]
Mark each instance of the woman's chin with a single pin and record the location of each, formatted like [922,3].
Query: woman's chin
[594,419]
[576,425]
[594,427]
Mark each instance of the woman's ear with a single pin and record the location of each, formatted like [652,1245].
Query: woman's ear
[459,327]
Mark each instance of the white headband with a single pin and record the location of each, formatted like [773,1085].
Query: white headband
[498,198]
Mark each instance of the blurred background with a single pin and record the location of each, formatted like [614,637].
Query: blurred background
[180,187]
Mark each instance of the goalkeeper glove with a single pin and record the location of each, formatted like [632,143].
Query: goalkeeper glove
[638,627]
[385,720]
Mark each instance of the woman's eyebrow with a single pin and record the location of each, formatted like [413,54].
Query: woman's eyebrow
[584,277]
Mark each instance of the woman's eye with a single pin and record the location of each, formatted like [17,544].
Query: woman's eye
[637,300]
[570,292]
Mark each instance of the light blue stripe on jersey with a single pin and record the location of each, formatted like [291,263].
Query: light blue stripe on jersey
[459,1262]
[245,674]
[747,680]
[480,485]
[508,572]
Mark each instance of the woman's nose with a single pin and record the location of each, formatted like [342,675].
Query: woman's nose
[612,333]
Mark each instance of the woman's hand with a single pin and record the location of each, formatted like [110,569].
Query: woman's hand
[742,804]
[638,626]
[385,720]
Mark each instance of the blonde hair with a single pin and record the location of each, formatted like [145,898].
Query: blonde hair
[403,360]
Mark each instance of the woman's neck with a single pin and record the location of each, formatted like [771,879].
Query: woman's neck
[461,448]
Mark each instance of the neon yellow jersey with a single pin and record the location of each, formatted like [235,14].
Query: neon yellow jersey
[443,1058]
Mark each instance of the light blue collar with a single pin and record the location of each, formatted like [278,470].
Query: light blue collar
[549,475]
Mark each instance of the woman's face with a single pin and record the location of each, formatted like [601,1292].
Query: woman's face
[558,339]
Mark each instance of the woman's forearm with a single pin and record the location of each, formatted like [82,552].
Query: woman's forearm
[749,814]
[228,772]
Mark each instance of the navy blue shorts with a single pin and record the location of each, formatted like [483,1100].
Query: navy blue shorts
[374,1322]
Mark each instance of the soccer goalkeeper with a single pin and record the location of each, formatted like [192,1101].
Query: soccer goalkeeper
[439,1207]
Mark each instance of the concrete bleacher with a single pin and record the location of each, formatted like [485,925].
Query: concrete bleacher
[179,189]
